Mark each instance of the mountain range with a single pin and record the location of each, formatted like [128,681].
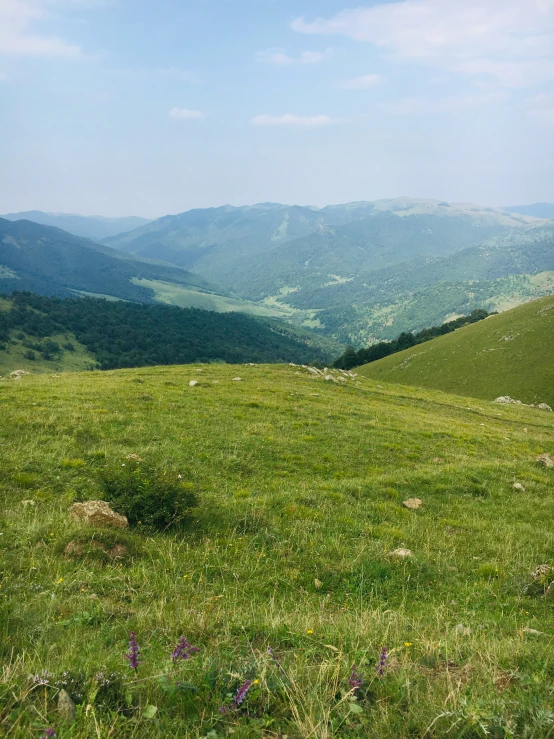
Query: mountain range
[90,227]
[354,272]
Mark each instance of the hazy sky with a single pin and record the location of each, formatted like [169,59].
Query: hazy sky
[148,107]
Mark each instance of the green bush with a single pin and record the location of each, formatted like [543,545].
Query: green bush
[149,496]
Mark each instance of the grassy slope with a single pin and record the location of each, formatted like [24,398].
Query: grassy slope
[173,294]
[301,481]
[479,362]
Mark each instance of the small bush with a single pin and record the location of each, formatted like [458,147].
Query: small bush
[148,496]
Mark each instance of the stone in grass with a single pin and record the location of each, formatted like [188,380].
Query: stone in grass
[542,580]
[97,513]
[66,708]
[462,630]
[192,383]
[237,379]
[80,548]
[519,487]
[402,553]
[544,407]
[545,459]
[413,504]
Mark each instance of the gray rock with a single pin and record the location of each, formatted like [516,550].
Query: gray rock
[463,630]
[518,486]
[66,707]
[192,383]
[544,407]
[97,513]
[545,459]
[402,553]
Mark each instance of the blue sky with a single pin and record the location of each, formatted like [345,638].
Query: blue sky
[140,107]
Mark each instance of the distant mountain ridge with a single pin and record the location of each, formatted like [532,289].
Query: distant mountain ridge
[90,227]
[537,210]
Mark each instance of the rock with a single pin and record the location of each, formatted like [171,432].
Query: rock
[330,378]
[97,513]
[26,503]
[518,486]
[505,399]
[340,378]
[413,504]
[544,407]
[545,459]
[318,583]
[463,630]
[66,707]
[402,553]
[438,460]
[542,581]
[134,457]
[78,548]
[192,383]
[18,374]
[237,379]
[533,632]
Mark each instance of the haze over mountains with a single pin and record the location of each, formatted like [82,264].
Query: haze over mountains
[354,272]
[91,227]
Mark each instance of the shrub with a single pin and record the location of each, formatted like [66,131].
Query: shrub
[148,496]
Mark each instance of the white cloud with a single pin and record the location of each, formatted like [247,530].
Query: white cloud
[281,59]
[293,120]
[450,103]
[183,114]
[453,34]
[363,82]
[16,38]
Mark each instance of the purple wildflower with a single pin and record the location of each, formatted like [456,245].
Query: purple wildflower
[241,692]
[133,655]
[355,680]
[48,733]
[183,650]
[382,664]
[224,710]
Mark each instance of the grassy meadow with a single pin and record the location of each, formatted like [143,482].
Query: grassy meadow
[511,353]
[301,483]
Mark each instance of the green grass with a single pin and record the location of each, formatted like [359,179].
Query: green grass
[508,354]
[173,294]
[12,357]
[301,483]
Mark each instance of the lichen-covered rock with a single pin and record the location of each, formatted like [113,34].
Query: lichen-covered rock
[97,513]
[542,581]
[544,407]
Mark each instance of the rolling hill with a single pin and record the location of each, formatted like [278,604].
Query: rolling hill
[89,227]
[508,354]
[300,578]
[537,210]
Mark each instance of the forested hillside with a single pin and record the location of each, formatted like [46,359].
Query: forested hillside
[125,334]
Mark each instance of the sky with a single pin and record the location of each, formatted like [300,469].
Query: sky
[149,107]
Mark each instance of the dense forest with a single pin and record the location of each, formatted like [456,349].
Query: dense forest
[352,358]
[121,334]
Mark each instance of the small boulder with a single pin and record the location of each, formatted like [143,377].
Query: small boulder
[505,399]
[413,504]
[544,407]
[545,459]
[402,553]
[519,487]
[97,513]
[66,708]
[18,374]
[192,383]
[542,581]
[237,379]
